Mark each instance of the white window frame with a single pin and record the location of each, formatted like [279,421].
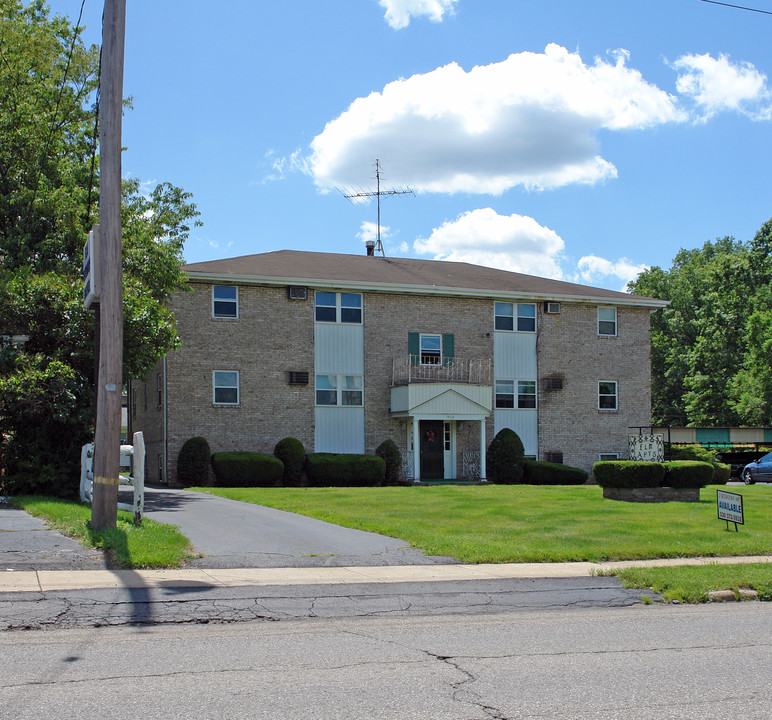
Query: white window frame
[606,456]
[235,301]
[515,316]
[516,392]
[339,307]
[342,388]
[221,386]
[430,351]
[607,321]
[615,395]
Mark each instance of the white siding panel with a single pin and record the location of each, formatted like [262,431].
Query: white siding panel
[339,349]
[524,422]
[514,355]
[340,430]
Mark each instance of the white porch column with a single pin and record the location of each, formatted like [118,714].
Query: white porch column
[482,451]
[416,452]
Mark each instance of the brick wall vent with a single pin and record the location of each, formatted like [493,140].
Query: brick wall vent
[554,457]
[553,382]
[297,377]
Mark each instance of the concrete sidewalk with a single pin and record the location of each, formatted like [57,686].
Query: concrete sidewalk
[56,580]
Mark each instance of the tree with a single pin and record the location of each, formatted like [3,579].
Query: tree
[711,346]
[48,203]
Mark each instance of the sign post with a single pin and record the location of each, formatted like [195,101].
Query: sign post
[730,508]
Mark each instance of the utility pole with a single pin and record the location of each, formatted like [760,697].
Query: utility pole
[378,193]
[107,434]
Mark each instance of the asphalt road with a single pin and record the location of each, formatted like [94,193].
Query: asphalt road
[685,662]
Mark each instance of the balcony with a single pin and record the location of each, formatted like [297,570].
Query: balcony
[409,369]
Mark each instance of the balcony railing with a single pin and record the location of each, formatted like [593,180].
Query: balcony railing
[409,369]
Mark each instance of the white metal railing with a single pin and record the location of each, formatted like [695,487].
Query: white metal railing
[132,456]
[409,369]
[470,460]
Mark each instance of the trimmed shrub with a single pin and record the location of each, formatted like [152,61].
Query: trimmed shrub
[687,474]
[391,455]
[247,469]
[293,455]
[505,457]
[628,474]
[546,473]
[721,474]
[193,462]
[345,470]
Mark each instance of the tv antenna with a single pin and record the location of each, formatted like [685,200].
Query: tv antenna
[378,194]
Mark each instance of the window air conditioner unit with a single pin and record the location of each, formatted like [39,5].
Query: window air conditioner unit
[553,382]
[297,292]
[554,457]
[297,377]
[552,308]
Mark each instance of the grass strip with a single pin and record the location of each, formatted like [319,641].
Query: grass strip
[517,523]
[692,584]
[149,545]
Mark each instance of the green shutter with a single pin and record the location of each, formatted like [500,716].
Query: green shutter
[448,350]
[413,348]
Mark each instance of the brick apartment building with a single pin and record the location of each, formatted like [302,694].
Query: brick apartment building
[345,351]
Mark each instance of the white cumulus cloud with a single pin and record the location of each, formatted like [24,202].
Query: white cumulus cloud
[508,242]
[530,120]
[716,84]
[594,270]
[399,12]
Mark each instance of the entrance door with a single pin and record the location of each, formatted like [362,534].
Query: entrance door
[432,450]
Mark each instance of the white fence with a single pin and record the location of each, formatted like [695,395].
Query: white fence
[132,460]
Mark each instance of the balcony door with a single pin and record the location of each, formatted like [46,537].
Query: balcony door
[432,448]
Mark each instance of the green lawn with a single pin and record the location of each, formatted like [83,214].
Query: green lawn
[149,545]
[519,523]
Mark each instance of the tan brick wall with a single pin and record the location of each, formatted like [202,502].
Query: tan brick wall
[389,318]
[272,336]
[568,345]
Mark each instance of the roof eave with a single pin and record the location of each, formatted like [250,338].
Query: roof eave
[369,286]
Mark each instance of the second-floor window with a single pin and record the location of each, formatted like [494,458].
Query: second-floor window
[520,394]
[607,321]
[520,317]
[607,395]
[334,307]
[431,349]
[225,301]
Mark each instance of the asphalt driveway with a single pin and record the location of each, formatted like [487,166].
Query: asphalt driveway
[231,534]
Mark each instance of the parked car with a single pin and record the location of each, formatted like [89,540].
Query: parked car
[759,470]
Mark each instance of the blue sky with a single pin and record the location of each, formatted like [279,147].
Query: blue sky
[575,139]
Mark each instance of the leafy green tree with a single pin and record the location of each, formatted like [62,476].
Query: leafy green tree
[711,346]
[48,203]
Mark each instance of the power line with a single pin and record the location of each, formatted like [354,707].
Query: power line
[738,7]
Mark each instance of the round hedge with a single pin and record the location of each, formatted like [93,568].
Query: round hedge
[505,457]
[193,462]
[247,469]
[391,455]
[292,453]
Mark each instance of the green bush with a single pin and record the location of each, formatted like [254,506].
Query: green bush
[721,472]
[292,453]
[687,474]
[505,457]
[345,470]
[691,452]
[391,455]
[628,474]
[546,473]
[193,462]
[247,469]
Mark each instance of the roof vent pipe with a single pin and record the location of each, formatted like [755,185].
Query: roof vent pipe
[370,245]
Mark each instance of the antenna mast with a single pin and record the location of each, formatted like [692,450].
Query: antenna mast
[378,193]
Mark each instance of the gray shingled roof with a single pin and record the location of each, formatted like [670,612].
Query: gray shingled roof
[293,267]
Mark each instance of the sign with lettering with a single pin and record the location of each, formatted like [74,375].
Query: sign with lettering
[730,507]
[650,448]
